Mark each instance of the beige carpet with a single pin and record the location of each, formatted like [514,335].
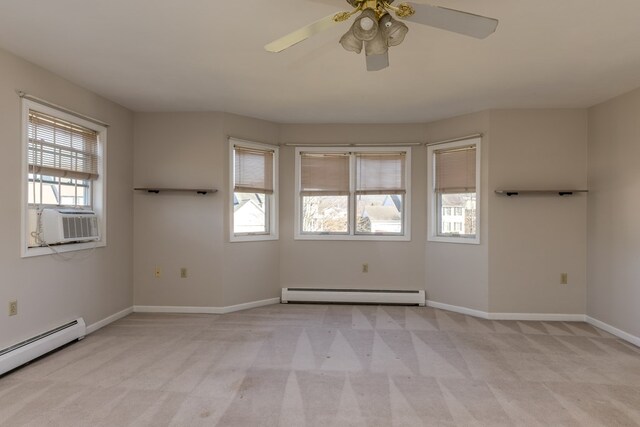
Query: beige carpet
[318,365]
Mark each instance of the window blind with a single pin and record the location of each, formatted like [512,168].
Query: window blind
[324,173]
[61,148]
[380,173]
[456,170]
[253,170]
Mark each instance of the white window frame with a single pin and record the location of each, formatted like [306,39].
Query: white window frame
[432,224]
[405,237]
[98,191]
[273,204]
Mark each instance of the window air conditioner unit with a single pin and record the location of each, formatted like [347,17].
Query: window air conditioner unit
[68,225]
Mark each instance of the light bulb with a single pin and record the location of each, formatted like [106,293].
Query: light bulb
[366,23]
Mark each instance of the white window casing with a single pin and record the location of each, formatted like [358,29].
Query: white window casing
[380,170]
[462,175]
[80,155]
[253,168]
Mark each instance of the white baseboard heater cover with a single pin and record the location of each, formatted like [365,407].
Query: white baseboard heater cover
[354,296]
[25,351]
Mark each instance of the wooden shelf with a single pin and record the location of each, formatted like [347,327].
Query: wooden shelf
[157,190]
[510,193]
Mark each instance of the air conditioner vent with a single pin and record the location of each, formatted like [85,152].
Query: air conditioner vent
[79,227]
[63,226]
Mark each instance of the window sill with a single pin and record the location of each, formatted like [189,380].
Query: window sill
[253,238]
[458,240]
[71,247]
[343,237]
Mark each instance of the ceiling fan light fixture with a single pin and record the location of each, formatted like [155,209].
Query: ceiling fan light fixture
[376,31]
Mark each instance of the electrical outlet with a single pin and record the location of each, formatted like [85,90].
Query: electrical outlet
[158,272]
[13,308]
[564,279]
[183,273]
[365,267]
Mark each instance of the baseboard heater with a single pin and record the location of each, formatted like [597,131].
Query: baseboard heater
[25,351]
[353,296]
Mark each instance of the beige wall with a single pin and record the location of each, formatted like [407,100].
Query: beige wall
[251,269]
[191,150]
[338,264]
[523,241]
[614,204]
[458,274]
[526,242]
[533,239]
[176,230]
[50,291]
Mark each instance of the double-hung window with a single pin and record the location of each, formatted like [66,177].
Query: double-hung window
[64,168]
[253,185]
[353,194]
[454,189]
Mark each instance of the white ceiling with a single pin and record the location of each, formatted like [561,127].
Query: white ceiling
[196,55]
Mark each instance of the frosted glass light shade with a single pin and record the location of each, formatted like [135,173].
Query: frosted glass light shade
[393,31]
[350,42]
[377,46]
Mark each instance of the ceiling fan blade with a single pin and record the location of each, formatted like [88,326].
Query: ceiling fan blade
[377,62]
[327,2]
[453,20]
[302,34]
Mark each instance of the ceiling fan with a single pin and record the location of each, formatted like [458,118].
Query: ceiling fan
[377,30]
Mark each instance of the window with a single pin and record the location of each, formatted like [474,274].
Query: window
[64,167]
[324,192]
[454,191]
[351,194]
[253,185]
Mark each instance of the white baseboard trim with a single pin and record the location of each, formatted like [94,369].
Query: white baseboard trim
[203,310]
[248,305]
[104,322]
[548,317]
[458,309]
[614,331]
[175,309]
[538,317]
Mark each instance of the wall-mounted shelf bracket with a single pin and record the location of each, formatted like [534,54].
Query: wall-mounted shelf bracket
[157,190]
[510,193]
